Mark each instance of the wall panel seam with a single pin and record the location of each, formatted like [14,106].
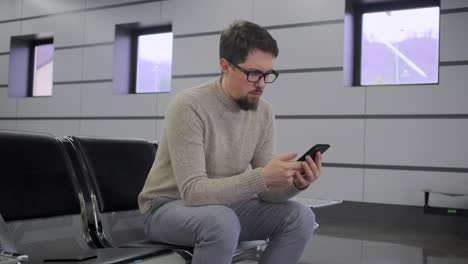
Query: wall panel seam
[277,117]
[396,167]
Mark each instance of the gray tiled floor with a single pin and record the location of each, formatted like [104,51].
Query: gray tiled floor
[359,242]
[362,242]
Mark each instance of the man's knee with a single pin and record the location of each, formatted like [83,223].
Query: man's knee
[220,225]
[300,218]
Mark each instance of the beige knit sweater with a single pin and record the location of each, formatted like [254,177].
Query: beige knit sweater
[212,152]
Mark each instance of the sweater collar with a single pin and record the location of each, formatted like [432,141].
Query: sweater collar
[228,102]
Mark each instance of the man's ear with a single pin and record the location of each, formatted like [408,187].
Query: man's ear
[224,65]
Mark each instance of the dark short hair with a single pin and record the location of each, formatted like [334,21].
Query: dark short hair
[242,37]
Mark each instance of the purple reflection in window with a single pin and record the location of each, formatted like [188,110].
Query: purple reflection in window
[400,47]
[43,70]
[154,63]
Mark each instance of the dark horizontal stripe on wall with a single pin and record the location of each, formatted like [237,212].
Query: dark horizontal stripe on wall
[4,53]
[325,69]
[453,63]
[454,10]
[201,34]
[428,116]
[80,10]
[201,75]
[78,118]
[308,24]
[85,45]
[395,167]
[83,81]
[3,85]
[454,116]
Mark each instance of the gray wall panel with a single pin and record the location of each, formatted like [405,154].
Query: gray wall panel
[37,7]
[97,62]
[10,9]
[177,85]
[63,103]
[58,128]
[68,65]
[417,142]
[7,30]
[337,183]
[447,4]
[453,37]
[7,104]
[309,47]
[207,15]
[4,62]
[100,24]
[67,29]
[278,12]
[159,129]
[98,100]
[314,93]
[449,97]
[406,187]
[196,55]
[119,128]
[345,136]
[8,124]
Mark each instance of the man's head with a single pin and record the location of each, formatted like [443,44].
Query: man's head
[246,55]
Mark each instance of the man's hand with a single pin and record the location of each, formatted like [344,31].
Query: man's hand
[280,171]
[310,172]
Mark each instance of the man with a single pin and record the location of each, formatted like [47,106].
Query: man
[215,181]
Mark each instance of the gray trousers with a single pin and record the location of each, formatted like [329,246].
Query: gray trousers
[215,230]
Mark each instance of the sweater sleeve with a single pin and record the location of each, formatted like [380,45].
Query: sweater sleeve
[186,150]
[263,154]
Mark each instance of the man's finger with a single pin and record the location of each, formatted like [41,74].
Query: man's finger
[300,179]
[286,157]
[293,165]
[312,166]
[318,161]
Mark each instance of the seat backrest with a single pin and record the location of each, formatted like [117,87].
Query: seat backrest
[115,172]
[117,169]
[40,200]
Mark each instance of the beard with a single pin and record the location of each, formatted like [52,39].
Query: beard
[245,103]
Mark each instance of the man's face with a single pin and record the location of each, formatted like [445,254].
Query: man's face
[247,94]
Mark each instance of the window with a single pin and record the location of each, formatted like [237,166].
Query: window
[394,43]
[154,63]
[31,66]
[42,79]
[142,59]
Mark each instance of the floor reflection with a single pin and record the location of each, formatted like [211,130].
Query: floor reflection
[336,250]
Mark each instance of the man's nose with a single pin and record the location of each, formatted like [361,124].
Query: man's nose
[261,83]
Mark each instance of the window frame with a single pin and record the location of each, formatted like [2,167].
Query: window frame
[126,55]
[21,63]
[356,9]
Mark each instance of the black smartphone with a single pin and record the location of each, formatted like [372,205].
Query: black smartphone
[313,150]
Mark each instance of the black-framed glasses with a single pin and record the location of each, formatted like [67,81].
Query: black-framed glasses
[255,75]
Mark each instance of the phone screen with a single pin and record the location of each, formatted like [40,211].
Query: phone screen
[313,150]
